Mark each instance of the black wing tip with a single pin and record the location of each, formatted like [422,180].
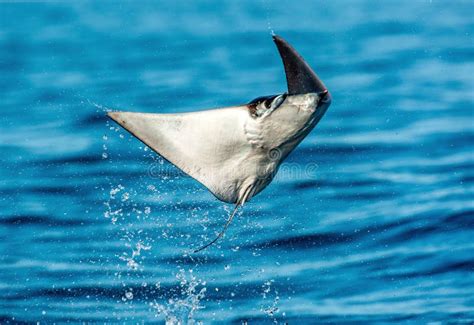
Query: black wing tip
[279,40]
[301,78]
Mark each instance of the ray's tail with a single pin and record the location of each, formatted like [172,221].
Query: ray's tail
[229,220]
[248,193]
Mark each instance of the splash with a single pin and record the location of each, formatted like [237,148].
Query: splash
[267,15]
[271,310]
[136,252]
[180,309]
[105,155]
[124,209]
[100,107]
[113,213]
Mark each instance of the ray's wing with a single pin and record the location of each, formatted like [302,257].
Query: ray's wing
[207,145]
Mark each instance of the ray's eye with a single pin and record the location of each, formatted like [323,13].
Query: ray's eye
[265,104]
[268,102]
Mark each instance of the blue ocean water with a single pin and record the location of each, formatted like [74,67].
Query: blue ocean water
[370,220]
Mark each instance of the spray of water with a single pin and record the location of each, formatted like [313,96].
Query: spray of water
[180,309]
[266,4]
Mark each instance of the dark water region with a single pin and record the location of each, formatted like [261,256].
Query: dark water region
[370,220]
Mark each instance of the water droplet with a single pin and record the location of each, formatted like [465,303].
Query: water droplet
[125,196]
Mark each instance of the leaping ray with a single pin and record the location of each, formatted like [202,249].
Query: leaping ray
[236,151]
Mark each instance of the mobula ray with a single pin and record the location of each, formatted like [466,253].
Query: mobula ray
[236,151]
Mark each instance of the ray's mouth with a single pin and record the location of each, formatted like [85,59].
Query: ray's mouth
[324,97]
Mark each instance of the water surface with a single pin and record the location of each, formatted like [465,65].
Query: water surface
[371,219]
